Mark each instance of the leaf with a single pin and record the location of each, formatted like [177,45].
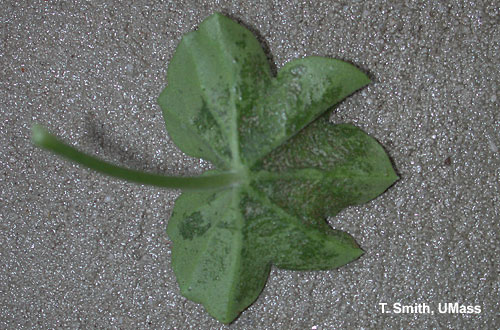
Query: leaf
[222,104]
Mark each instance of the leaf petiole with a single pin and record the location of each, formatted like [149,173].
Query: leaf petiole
[42,138]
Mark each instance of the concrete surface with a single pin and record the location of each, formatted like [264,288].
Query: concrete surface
[79,250]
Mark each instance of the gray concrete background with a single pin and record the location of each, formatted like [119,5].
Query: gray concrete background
[79,250]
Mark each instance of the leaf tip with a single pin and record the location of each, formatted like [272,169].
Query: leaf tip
[217,16]
[364,79]
[359,252]
[393,176]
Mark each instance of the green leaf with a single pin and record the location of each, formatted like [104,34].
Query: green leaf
[282,168]
[222,104]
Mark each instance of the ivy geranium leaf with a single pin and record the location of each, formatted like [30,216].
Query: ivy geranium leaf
[282,168]
[223,104]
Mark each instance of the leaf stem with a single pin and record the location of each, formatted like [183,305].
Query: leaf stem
[42,138]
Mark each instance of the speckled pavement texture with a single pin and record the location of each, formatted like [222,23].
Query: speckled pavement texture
[83,251]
